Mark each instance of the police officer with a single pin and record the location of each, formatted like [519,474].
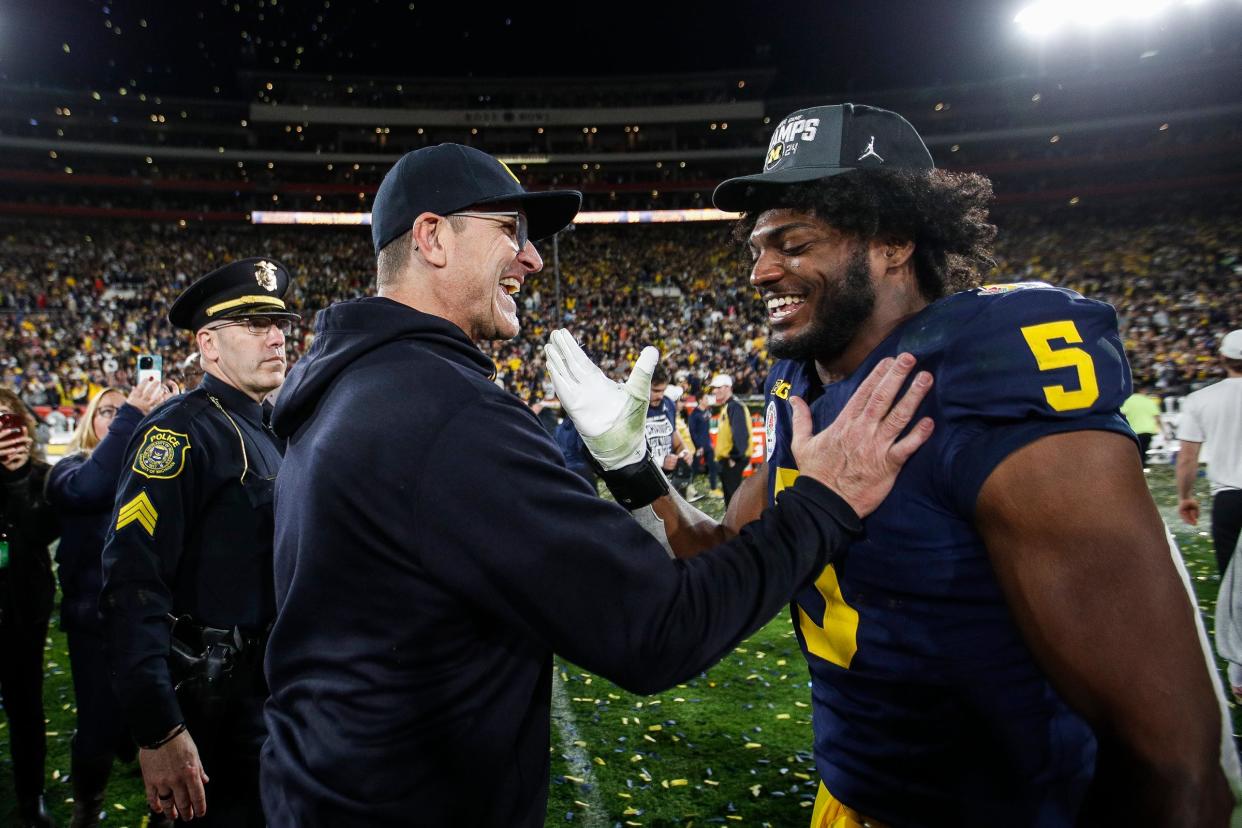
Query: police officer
[187,596]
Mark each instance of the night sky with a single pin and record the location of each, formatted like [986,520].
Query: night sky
[189,47]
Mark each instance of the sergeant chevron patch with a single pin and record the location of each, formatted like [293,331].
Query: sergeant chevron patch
[139,509]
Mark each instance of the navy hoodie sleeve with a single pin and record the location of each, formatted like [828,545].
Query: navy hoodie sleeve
[534,547]
[90,486]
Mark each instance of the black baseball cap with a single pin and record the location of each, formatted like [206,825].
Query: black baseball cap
[823,141]
[446,178]
[246,287]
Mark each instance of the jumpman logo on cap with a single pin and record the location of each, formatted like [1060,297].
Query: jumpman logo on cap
[870,151]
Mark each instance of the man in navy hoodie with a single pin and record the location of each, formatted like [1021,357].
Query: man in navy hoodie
[433,550]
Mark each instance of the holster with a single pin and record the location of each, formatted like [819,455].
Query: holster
[212,667]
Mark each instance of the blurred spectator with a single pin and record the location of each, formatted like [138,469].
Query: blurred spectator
[682,473]
[700,423]
[81,488]
[27,526]
[74,295]
[570,442]
[732,435]
[191,371]
[1142,411]
[1213,416]
[663,441]
[546,412]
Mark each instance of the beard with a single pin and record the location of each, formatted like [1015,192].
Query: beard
[839,315]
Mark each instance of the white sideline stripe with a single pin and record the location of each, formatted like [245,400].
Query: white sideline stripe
[579,763]
[1228,749]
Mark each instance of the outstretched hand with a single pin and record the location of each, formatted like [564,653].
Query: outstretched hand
[609,415]
[859,455]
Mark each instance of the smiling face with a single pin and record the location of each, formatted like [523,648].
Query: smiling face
[492,272]
[815,282]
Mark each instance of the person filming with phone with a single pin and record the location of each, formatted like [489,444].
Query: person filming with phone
[187,595]
[27,526]
[82,487]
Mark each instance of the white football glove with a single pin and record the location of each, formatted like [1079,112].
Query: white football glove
[609,416]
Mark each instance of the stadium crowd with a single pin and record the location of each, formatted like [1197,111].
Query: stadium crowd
[79,301]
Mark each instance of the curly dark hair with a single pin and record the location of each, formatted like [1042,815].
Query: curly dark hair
[944,213]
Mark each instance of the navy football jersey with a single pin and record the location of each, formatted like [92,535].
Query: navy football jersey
[928,706]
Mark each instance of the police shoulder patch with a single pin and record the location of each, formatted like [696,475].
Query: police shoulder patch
[162,453]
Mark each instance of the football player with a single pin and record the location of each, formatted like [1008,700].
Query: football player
[1012,642]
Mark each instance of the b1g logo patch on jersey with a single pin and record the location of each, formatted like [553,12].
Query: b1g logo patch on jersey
[769,427]
[780,388]
[162,454]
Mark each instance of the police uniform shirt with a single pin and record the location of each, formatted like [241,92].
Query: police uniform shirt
[921,682]
[191,535]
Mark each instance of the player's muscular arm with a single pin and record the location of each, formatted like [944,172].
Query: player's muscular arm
[1081,554]
[690,532]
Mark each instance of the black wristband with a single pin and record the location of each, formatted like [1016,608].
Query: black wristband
[176,731]
[636,485]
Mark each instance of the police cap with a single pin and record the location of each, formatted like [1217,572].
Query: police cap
[246,287]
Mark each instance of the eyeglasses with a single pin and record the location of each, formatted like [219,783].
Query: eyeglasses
[519,238]
[106,411]
[260,325]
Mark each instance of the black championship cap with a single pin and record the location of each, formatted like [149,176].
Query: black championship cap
[247,287]
[450,177]
[823,141]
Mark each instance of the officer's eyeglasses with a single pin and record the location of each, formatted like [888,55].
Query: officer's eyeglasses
[518,233]
[106,411]
[260,325]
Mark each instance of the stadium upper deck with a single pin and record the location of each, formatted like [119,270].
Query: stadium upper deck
[632,142]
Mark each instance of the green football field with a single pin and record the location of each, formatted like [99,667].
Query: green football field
[730,747]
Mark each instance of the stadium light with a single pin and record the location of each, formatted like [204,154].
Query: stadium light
[1044,17]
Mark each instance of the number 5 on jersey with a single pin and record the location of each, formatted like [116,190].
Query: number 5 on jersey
[1039,339]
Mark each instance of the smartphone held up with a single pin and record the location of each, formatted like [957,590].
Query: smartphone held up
[150,365]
